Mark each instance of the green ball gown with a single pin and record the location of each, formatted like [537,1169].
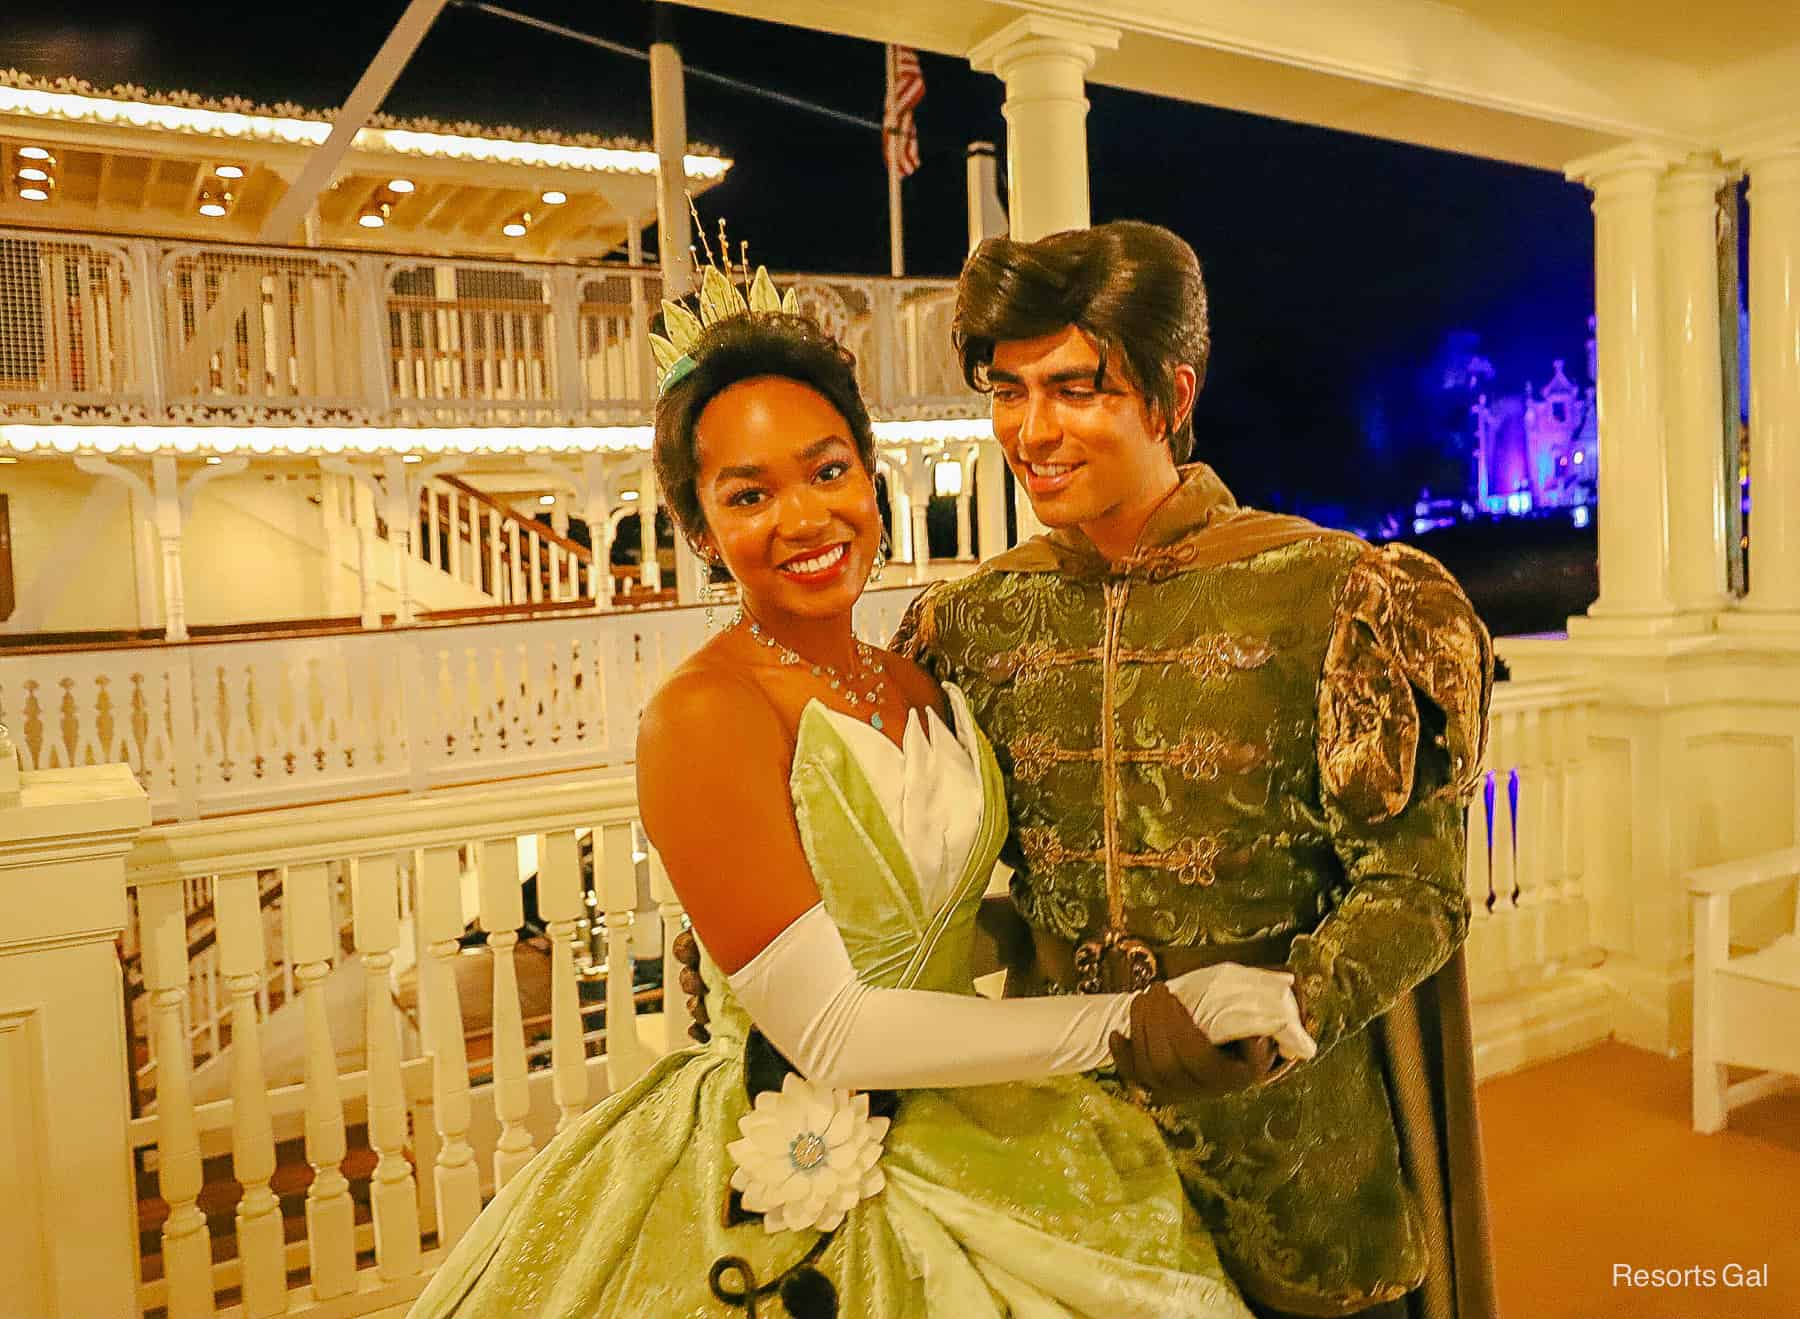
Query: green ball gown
[1035,1200]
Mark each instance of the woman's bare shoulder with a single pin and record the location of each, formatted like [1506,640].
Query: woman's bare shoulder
[710,698]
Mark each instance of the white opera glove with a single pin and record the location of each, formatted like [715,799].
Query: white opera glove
[1234,1002]
[804,994]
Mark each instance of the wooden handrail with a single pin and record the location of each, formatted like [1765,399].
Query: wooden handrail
[542,532]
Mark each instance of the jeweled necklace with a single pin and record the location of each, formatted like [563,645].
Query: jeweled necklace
[869,673]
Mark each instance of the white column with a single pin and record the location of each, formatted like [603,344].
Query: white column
[920,478]
[143,555]
[563,288]
[640,367]
[402,513]
[363,491]
[1774,597]
[650,569]
[987,217]
[67,1215]
[690,573]
[990,498]
[1634,506]
[900,524]
[167,486]
[1687,213]
[1044,64]
[965,460]
[337,534]
[668,117]
[598,515]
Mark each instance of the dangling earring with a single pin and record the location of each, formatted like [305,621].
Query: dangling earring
[714,591]
[880,561]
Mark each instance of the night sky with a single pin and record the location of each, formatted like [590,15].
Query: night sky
[1337,265]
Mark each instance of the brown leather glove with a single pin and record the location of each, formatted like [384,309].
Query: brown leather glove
[1170,1058]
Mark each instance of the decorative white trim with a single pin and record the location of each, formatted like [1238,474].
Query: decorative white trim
[299,439]
[75,100]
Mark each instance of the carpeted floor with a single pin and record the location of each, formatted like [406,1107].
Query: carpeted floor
[1592,1165]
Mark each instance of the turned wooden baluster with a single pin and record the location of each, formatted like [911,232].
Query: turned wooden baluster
[1578,820]
[676,1017]
[560,903]
[517,564]
[393,1197]
[1504,745]
[495,588]
[260,1244]
[330,1213]
[186,1248]
[616,871]
[456,1179]
[502,913]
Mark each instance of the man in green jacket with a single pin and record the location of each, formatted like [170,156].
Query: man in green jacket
[1228,736]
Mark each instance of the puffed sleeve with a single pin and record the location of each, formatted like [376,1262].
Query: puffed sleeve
[1402,724]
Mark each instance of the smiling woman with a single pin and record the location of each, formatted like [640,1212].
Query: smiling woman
[830,818]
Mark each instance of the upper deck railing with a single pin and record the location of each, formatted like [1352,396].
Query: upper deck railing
[116,329]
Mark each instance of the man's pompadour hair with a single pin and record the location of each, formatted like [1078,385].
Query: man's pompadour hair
[1135,287]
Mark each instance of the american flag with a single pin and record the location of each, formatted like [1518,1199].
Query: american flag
[905,89]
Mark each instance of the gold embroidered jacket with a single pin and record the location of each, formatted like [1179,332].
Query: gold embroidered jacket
[1252,732]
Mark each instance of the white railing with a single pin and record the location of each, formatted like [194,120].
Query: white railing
[397,929]
[508,558]
[214,727]
[340,993]
[138,329]
[1527,841]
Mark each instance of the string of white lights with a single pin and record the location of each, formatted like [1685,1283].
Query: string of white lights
[71,107]
[303,441]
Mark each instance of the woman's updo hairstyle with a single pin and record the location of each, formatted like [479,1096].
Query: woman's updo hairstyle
[742,348]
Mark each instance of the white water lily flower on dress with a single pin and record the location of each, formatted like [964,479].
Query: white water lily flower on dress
[807,1156]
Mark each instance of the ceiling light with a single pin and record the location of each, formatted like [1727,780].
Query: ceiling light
[412,458]
[555,197]
[33,153]
[229,171]
[213,460]
[376,213]
[371,219]
[401,186]
[33,195]
[215,202]
[516,227]
[547,500]
[628,494]
[33,174]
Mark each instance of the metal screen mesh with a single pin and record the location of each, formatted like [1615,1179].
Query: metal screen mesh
[65,319]
[260,326]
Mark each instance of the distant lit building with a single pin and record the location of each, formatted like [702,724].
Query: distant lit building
[1539,449]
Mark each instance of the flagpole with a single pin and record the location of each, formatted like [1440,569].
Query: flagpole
[890,153]
[896,237]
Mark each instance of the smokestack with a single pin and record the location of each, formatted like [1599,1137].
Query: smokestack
[987,217]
